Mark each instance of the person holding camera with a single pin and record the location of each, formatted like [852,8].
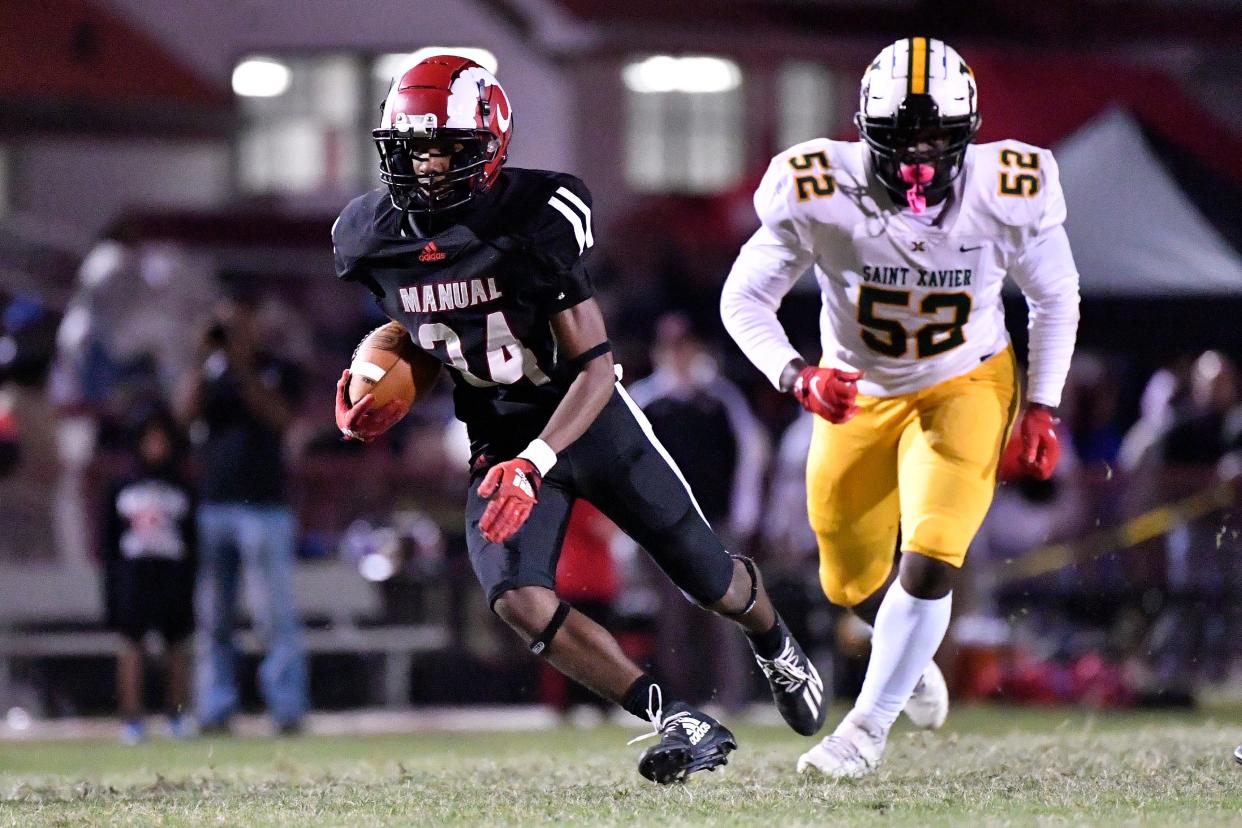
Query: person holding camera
[242,399]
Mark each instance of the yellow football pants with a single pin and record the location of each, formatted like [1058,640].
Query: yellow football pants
[924,461]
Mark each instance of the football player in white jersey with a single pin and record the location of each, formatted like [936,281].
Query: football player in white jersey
[910,233]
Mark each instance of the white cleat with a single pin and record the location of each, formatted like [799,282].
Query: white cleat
[929,705]
[853,750]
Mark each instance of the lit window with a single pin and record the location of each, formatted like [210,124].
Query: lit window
[260,78]
[302,123]
[685,126]
[805,103]
[693,74]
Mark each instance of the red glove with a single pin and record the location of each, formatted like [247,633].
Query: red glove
[360,422]
[828,392]
[511,487]
[1040,449]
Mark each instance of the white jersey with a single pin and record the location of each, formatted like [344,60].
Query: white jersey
[909,303]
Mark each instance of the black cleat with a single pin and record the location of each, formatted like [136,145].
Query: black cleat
[797,688]
[690,741]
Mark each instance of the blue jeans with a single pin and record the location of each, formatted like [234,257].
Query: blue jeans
[260,539]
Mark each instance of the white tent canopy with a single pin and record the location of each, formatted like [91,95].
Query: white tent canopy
[1133,230]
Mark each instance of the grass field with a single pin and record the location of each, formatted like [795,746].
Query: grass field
[990,766]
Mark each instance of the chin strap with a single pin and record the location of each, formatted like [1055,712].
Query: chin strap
[918,176]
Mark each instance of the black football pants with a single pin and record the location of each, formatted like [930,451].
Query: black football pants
[620,467]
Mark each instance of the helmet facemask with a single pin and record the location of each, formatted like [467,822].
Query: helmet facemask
[918,111]
[434,191]
[918,154]
[443,135]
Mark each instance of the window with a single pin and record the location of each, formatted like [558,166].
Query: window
[805,103]
[302,117]
[685,126]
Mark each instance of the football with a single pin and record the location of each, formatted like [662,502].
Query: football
[388,365]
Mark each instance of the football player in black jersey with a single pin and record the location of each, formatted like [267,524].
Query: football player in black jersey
[483,266]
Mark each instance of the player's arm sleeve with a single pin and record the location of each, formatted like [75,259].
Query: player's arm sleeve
[562,236]
[765,270]
[1048,277]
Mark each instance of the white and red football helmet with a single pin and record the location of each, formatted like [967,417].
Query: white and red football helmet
[918,109]
[454,105]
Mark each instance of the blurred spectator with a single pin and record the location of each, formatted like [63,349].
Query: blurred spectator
[1089,407]
[149,556]
[242,398]
[1026,514]
[703,421]
[1200,631]
[1157,409]
[1198,433]
[126,322]
[122,340]
[707,426]
[787,534]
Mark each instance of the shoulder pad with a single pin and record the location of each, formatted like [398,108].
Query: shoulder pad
[1019,183]
[354,233]
[559,210]
[801,181]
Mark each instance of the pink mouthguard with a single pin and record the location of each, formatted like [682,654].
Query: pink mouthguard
[917,176]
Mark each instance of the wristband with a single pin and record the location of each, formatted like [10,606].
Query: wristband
[540,455]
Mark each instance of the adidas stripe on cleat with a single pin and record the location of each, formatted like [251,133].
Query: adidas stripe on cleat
[797,688]
[690,741]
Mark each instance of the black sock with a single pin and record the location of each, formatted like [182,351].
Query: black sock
[769,644]
[638,698]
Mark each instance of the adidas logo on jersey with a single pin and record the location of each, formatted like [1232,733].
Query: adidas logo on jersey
[432,253]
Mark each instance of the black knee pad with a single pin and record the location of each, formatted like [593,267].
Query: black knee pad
[540,645]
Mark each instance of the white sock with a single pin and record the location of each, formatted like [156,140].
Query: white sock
[908,631]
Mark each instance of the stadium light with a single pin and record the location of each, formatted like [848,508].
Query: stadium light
[393,65]
[689,73]
[261,78]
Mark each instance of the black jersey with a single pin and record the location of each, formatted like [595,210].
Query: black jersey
[480,294]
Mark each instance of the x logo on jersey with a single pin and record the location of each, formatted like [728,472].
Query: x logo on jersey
[918,247]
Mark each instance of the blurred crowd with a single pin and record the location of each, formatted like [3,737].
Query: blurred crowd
[180,418]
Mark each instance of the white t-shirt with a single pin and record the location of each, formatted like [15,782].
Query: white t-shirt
[911,305]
